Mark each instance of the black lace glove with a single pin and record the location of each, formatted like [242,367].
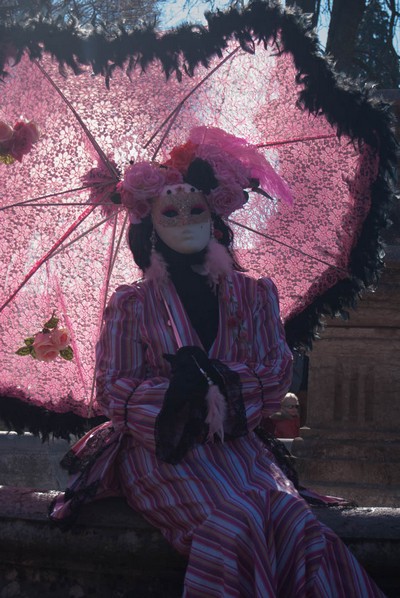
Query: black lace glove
[181,421]
[191,367]
[187,381]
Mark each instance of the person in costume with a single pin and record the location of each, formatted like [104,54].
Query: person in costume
[191,358]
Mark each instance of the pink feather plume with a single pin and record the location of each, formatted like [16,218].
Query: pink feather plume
[216,412]
[250,156]
[218,262]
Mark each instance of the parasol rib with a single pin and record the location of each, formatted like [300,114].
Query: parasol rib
[295,140]
[188,95]
[33,199]
[55,204]
[89,230]
[92,140]
[111,263]
[49,254]
[167,130]
[313,257]
[70,327]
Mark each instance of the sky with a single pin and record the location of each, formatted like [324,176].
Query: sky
[175,13]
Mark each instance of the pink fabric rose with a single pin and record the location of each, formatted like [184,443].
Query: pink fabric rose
[60,338]
[226,199]
[143,181]
[25,135]
[44,348]
[182,156]
[6,132]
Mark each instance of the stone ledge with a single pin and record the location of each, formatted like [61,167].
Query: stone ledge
[111,542]
[107,534]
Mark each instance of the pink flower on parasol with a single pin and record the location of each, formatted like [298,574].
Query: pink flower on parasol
[44,347]
[48,344]
[18,141]
[61,338]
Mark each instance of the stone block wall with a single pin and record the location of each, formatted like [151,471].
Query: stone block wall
[352,443]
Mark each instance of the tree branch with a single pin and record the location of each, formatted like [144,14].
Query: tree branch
[394,14]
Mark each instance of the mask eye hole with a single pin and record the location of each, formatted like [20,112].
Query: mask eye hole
[196,210]
[170,212]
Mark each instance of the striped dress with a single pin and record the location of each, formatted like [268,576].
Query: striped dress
[227,507]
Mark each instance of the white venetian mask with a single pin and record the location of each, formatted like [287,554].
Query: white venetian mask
[182,218]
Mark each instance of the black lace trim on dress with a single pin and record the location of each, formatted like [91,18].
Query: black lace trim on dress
[259,382]
[94,447]
[282,456]
[80,491]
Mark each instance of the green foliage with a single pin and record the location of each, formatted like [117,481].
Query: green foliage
[24,351]
[67,353]
[52,323]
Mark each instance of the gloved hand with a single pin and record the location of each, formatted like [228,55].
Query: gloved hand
[187,382]
[181,421]
[189,365]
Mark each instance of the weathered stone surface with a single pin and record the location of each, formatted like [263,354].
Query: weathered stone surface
[113,553]
[352,444]
[110,552]
[26,461]
[107,534]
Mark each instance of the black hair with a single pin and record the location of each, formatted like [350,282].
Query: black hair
[201,175]
[139,239]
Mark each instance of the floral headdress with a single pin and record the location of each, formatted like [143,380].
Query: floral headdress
[236,166]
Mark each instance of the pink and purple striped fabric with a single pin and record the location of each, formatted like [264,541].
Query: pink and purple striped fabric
[227,507]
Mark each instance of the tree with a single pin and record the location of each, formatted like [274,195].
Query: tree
[89,13]
[360,37]
[346,17]
[312,7]
[374,55]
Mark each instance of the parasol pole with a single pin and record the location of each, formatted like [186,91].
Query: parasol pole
[111,264]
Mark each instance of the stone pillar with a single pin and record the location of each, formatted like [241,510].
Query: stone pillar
[351,444]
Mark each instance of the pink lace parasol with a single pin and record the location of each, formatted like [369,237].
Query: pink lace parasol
[60,253]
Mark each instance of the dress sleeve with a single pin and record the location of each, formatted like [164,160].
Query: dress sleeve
[126,396]
[265,378]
